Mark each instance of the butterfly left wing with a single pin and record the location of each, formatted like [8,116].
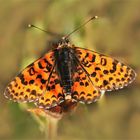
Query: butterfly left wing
[53,95]
[32,83]
[105,72]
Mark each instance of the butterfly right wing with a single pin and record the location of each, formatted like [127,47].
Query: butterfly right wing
[83,88]
[105,72]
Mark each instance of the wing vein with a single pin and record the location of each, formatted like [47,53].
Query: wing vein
[87,74]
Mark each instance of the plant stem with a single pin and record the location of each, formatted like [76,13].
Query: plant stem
[52,125]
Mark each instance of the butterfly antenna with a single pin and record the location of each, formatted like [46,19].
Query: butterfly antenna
[48,32]
[92,18]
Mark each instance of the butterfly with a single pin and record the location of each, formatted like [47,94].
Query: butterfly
[68,73]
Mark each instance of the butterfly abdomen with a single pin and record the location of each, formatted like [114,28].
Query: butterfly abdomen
[64,66]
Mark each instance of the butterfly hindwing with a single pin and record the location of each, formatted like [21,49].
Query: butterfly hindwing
[83,89]
[54,93]
[105,72]
[30,84]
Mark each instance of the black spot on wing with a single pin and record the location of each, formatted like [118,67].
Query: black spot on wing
[40,65]
[103,61]
[114,65]
[33,92]
[31,71]
[43,81]
[105,82]
[93,58]
[93,74]
[97,68]
[21,77]
[105,71]
[39,76]
[81,83]
[31,81]
[48,65]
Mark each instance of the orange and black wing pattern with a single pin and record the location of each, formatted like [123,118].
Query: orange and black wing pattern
[105,72]
[83,89]
[53,95]
[91,75]
[38,83]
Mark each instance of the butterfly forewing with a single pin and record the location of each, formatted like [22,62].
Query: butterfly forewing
[105,72]
[31,83]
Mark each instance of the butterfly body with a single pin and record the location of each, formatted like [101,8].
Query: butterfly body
[65,67]
[69,73]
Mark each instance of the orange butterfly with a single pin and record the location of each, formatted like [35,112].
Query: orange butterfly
[68,73]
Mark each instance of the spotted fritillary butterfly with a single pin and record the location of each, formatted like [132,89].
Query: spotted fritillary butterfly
[68,73]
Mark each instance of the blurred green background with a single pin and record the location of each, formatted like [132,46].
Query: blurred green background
[115,33]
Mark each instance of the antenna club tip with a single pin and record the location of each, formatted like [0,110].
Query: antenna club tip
[29,25]
[96,17]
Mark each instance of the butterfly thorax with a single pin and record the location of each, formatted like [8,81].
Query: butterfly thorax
[65,67]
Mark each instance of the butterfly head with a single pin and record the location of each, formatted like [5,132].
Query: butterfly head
[64,42]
